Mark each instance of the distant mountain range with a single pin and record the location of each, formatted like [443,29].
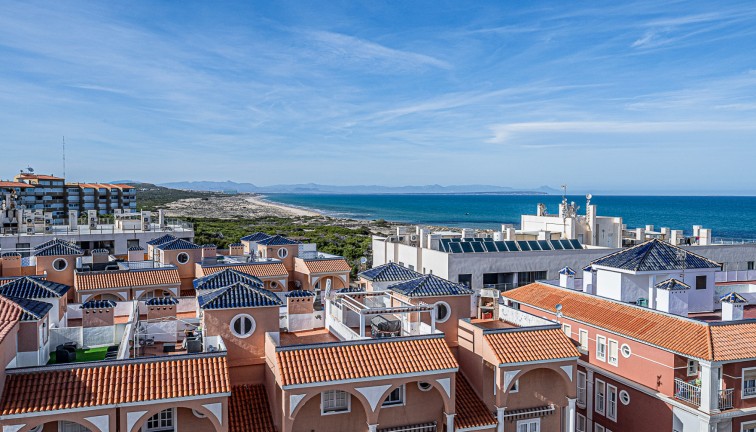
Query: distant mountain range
[313,188]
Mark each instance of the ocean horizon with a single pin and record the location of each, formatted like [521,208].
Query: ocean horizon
[728,216]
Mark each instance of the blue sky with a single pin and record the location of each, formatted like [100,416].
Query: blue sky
[604,96]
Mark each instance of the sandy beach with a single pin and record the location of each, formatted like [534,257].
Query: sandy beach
[234,206]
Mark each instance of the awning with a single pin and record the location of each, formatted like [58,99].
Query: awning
[527,413]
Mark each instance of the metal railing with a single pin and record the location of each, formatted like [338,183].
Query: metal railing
[581,396]
[501,286]
[749,391]
[725,398]
[730,241]
[687,392]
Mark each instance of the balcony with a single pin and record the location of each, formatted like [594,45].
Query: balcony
[691,393]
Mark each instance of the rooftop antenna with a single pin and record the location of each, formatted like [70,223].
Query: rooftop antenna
[64,156]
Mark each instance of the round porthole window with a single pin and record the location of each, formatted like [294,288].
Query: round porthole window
[283,253]
[626,351]
[424,386]
[243,326]
[274,284]
[443,311]
[60,264]
[182,258]
[624,397]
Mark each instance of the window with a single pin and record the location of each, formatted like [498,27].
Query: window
[611,402]
[599,401]
[515,387]
[750,265]
[524,278]
[424,386]
[283,253]
[749,382]
[396,397]
[529,425]
[60,264]
[692,367]
[182,258]
[625,349]
[625,397]
[580,423]
[442,312]
[162,421]
[701,282]
[243,325]
[465,279]
[567,330]
[748,427]
[600,348]
[584,340]
[598,428]
[66,426]
[334,401]
[581,381]
[613,352]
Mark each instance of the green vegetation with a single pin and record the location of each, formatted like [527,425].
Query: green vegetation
[151,197]
[92,354]
[351,243]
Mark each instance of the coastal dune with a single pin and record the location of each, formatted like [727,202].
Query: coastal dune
[234,206]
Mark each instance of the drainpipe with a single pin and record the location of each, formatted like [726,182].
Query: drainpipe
[571,414]
[450,422]
[500,418]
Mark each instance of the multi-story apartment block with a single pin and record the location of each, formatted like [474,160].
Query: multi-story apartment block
[663,346]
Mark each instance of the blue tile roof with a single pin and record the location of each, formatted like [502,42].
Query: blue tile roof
[277,240]
[350,290]
[209,245]
[160,240]
[655,255]
[177,244]
[430,286]
[567,271]
[98,304]
[53,242]
[300,293]
[59,247]
[255,237]
[673,284]
[136,248]
[238,295]
[162,301]
[30,288]
[224,278]
[32,310]
[733,298]
[389,272]
[236,244]
[11,254]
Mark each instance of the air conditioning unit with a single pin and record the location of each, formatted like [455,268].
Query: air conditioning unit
[30,230]
[92,225]
[48,228]
[29,220]
[413,237]
[48,221]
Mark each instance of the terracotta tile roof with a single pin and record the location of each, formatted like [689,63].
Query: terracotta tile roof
[525,345]
[269,269]
[12,184]
[364,359]
[56,388]
[327,265]
[10,314]
[734,341]
[38,176]
[471,411]
[670,332]
[126,278]
[248,410]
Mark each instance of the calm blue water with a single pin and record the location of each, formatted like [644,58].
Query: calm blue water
[726,216]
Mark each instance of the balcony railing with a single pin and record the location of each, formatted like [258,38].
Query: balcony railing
[581,396]
[501,286]
[687,392]
[725,399]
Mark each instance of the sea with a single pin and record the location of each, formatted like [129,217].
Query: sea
[728,217]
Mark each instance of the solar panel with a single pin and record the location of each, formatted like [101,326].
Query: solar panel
[478,246]
[466,247]
[456,239]
[512,246]
[501,246]
[490,246]
[523,246]
[556,245]
[469,239]
[534,245]
[545,245]
[566,244]
[455,247]
[576,244]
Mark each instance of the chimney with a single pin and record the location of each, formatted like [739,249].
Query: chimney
[704,237]
[675,237]
[73,220]
[649,227]
[567,278]
[161,218]
[640,234]
[98,313]
[136,253]
[235,249]
[209,254]
[11,264]
[696,230]
[466,232]
[498,236]
[511,234]
[299,310]
[100,256]
[732,306]
[665,233]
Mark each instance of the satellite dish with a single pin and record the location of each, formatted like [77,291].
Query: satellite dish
[558,307]
[363,260]
[589,196]
[30,169]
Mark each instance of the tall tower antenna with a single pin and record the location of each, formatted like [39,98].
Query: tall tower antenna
[64,156]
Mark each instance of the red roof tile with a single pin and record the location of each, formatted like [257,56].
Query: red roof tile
[10,314]
[254,269]
[126,278]
[364,359]
[328,265]
[47,389]
[734,341]
[531,345]
[471,411]
[12,184]
[248,410]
